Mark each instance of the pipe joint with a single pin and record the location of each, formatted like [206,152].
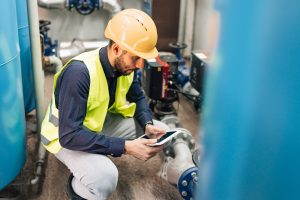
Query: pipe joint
[187,183]
[183,137]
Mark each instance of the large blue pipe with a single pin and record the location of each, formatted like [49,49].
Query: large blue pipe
[12,120]
[251,119]
[25,55]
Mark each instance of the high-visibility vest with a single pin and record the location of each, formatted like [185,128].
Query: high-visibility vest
[97,103]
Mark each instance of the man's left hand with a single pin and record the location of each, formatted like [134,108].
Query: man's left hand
[153,131]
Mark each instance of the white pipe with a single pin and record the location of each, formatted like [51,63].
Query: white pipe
[68,50]
[188,88]
[36,60]
[182,16]
[112,6]
[52,3]
[90,45]
[38,76]
[56,62]
[189,27]
[76,47]
[182,161]
[40,163]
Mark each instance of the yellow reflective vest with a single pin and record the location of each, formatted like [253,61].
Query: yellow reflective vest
[97,103]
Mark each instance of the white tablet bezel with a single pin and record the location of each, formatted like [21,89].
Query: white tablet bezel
[165,139]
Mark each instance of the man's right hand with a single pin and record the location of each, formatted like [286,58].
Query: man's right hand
[139,148]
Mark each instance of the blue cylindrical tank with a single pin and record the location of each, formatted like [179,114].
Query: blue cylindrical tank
[251,122]
[12,120]
[251,119]
[25,54]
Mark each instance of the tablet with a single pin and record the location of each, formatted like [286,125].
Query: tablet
[165,138]
[144,137]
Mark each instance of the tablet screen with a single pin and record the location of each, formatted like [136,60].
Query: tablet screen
[168,133]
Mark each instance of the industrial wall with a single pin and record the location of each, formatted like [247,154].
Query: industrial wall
[203,30]
[195,24]
[68,25]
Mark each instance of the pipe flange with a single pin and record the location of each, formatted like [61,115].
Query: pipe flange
[184,136]
[187,183]
[171,119]
[84,7]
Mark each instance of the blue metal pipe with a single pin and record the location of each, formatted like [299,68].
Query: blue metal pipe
[12,116]
[252,104]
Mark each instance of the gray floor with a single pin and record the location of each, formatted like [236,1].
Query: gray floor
[138,179]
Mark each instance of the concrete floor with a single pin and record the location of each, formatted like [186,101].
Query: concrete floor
[137,179]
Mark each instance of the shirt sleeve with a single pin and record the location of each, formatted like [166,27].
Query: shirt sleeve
[71,96]
[135,94]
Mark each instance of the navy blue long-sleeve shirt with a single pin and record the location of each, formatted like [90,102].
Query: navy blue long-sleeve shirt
[71,94]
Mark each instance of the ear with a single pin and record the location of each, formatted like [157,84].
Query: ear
[116,49]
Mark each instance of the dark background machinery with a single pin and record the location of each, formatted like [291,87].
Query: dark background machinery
[163,81]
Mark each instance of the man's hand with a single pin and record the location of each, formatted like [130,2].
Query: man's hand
[153,131]
[139,148]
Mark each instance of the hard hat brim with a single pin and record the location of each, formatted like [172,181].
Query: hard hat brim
[146,55]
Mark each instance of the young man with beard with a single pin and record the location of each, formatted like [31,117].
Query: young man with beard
[98,108]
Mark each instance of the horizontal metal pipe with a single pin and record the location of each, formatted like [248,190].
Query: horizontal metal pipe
[53,61]
[112,6]
[56,61]
[50,4]
[181,162]
[68,50]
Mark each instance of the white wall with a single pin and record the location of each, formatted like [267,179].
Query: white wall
[201,39]
[68,25]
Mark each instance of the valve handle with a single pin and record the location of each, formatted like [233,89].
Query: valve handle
[178,45]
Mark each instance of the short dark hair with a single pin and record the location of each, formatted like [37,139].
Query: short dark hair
[110,43]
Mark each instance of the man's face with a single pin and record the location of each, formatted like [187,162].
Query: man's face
[127,63]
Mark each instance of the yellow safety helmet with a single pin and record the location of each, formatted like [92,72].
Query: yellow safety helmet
[134,31]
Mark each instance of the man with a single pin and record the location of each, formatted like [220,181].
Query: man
[90,116]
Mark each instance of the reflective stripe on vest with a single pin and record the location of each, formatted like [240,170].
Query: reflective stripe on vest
[52,118]
[97,103]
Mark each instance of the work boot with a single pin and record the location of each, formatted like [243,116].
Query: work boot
[70,191]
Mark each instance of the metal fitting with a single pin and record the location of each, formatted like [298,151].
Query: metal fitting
[183,193]
[194,174]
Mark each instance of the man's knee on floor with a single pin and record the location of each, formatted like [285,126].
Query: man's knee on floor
[105,182]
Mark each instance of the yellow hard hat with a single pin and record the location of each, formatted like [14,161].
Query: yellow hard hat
[134,31]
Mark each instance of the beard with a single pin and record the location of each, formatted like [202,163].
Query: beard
[120,65]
